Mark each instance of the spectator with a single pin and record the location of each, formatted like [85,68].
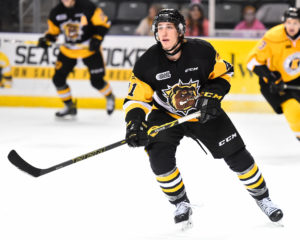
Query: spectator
[250,22]
[196,23]
[144,28]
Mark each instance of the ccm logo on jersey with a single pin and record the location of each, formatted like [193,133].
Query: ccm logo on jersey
[191,69]
[163,75]
[228,139]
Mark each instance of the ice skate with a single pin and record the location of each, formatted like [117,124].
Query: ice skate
[110,104]
[183,214]
[69,110]
[270,209]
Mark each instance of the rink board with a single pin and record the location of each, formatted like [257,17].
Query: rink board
[33,69]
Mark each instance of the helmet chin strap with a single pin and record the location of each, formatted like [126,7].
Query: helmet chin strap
[295,36]
[170,53]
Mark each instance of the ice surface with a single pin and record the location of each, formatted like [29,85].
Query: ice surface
[114,195]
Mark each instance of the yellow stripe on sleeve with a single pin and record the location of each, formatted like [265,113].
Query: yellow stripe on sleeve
[52,28]
[137,105]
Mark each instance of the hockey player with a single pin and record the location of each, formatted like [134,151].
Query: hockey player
[84,26]
[5,71]
[275,59]
[176,77]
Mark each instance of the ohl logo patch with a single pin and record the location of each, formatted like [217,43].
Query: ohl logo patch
[182,96]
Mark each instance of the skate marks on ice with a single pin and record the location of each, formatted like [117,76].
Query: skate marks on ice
[87,201]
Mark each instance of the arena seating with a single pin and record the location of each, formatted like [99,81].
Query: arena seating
[125,15]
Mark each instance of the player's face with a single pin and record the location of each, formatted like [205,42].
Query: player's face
[167,34]
[68,3]
[292,26]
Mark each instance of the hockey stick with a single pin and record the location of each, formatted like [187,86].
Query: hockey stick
[290,87]
[20,163]
[156,129]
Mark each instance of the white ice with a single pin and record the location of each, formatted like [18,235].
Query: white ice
[114,195]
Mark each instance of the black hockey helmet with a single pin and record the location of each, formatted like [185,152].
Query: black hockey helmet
[292,12]
[169,15]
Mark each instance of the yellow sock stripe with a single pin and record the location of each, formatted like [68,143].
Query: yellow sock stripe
[256,184]
[173,189]
[106,90]
[66,98]
[64,91]
[249,173]
[169,177]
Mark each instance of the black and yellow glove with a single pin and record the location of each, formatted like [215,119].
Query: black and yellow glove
[45,41]
[209,104]
[136,133]
[211,95]
[275,82]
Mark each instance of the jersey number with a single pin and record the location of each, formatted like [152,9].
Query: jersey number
[132,90]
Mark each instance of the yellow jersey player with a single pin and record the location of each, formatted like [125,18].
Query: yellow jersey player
[84,26]
[275,59]
[176,77]
[5,71]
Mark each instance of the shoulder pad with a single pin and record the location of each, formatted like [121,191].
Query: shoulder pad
[276,34]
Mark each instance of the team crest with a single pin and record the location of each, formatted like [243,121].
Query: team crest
[72,30]
[182,96]
[292,64]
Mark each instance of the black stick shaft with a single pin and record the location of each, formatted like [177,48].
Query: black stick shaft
[85,156]
[291,87]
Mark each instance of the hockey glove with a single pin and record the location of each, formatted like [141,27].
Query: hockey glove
[44,42]
[276,86]
[95,44]
[209,105]
[209,102]
[136,133]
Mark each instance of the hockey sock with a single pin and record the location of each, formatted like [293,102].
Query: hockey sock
[254,182]
[291,111]
[106,90]
[172,185]
[65,94]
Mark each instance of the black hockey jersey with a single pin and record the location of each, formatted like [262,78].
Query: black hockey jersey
[78,24]
[157,82]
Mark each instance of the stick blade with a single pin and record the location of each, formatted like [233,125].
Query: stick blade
[20,163]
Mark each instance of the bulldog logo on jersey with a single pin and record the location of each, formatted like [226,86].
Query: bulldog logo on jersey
[182,96]
[72,30]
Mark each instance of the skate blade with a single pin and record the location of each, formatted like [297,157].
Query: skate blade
[66,118]
[185,225]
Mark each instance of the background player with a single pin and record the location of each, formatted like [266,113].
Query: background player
[5,71]
[275,59]
[84,27]
[176,77]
